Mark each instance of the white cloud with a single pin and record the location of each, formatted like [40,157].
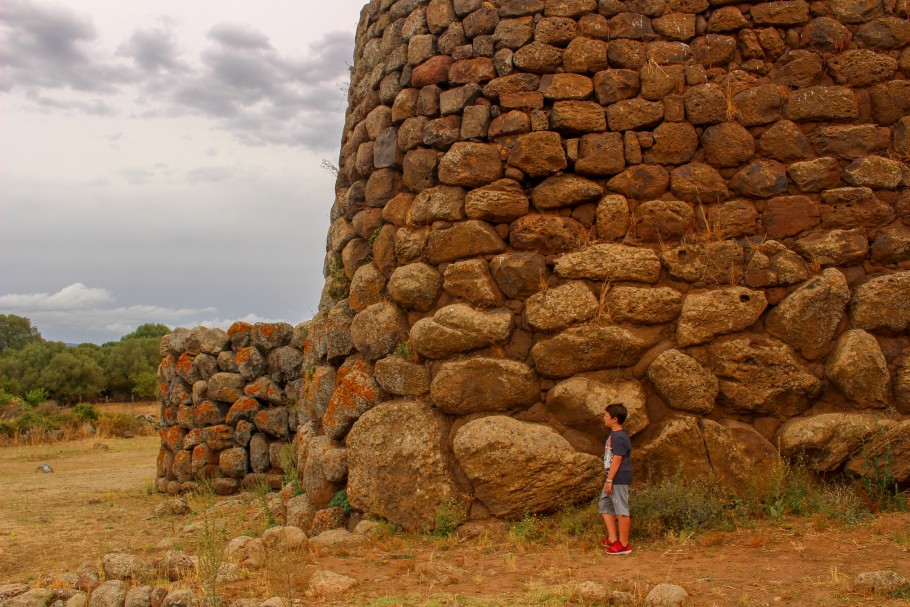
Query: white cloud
[74,297]
[81,310]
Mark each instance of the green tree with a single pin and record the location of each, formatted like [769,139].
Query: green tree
[70,378]
[147,330]
[24,366]
[16,332]
[145,385]
[124,360]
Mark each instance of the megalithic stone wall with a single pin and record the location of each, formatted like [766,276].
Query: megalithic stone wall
[695,207]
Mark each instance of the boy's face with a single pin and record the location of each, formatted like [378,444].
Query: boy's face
[609,420]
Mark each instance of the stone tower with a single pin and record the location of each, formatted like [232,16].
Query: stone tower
[695,207]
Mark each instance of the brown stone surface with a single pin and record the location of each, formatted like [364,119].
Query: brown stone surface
[484,384]
[460,328]
[808,318]
[706,315]
[683,383]
[761,376]
[407,480]
[588,349]
[546,234]
[498,454]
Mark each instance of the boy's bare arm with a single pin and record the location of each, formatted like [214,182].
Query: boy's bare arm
[614,470]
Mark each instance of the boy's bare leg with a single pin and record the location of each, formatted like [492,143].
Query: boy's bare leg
[610,522]
[625,529]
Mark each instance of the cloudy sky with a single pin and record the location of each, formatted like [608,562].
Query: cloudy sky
[160,160]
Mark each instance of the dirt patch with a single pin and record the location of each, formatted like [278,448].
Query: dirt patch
[98,500]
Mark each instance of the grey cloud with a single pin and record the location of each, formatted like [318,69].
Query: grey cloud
[154,50]
[240,81]
[51,47]
[266,98]
[239,36]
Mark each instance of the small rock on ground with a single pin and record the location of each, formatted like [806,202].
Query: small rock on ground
[668,595]
[8,591]
[325,583]
[589,593]
[880,582]
[180,598]
[36,597]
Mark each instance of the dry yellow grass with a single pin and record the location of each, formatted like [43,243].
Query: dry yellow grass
[94,502]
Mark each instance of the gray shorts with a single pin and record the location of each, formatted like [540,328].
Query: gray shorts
[616,503]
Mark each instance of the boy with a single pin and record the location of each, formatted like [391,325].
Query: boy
[614,499]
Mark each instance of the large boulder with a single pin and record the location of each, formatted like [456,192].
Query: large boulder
[758,450]
[324,471]
[120,566]
[828,439]
[610,262]
[111,593]
[580,403]
[460,328]
[484,384]
[378,330]
[759,375]
[518,468]
[683,383]
[355,393]
[807,318]
[561,306]
[859,369]
[707,314]
[415,286]
[464,239]
[471,281]
[882,304]
[400,466]
[673,448]
[399,376]
[643,305]
[902,384]
[888,450]
[590,348]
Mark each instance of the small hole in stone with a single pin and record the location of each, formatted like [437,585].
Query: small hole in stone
[744,298]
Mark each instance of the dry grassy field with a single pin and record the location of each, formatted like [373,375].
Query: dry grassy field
[99,500]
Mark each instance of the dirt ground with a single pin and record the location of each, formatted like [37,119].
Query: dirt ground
[99,500]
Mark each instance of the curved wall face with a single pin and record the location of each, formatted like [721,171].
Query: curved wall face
[695,207]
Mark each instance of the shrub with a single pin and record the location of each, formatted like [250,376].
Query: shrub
[113,425]
[677,505]
[86,412]
[340,500]
[449,516]
[529,529]
[288,461]
[879,488]
[36,396]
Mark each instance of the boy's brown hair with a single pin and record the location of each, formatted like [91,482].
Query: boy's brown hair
[619,411]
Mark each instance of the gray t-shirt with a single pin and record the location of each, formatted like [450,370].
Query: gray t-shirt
[619,443]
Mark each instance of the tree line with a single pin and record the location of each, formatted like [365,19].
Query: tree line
[120,370]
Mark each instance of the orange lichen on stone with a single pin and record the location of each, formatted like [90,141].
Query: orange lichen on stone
[184,366]
[172,438]
[239,328]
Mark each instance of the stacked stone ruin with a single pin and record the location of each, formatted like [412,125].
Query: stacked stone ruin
[699,208]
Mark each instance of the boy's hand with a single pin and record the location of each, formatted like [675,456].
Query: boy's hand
[608,488]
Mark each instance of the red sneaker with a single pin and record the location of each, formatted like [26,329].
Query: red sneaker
[618,548]
[606,543]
